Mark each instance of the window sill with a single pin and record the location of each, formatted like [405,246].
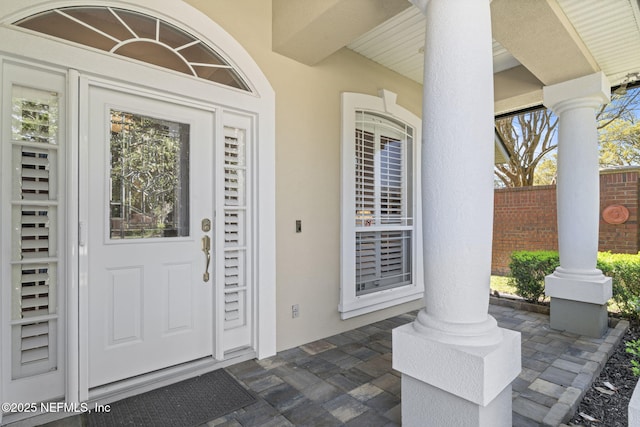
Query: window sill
[374,302]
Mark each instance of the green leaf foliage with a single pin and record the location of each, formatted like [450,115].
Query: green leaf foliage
[624,269]
[620,143]
[633,348]
[529,268]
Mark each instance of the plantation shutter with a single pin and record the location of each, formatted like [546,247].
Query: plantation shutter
[34,218]
[383,216]
[236,240]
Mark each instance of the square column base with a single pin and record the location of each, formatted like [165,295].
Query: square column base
[579,303]
[579,317]
[425,405]
[442,382]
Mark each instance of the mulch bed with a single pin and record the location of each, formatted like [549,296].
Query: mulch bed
[610,409]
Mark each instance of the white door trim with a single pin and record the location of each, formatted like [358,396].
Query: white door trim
[72,390]
[261,102]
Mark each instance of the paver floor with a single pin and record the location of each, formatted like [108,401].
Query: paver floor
[347,379]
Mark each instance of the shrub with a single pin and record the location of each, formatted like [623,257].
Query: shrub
[624,270]
[528,270]
[633,348]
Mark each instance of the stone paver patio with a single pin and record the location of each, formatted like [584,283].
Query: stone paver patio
[347,379]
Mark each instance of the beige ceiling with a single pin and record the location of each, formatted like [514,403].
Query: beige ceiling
[536,42]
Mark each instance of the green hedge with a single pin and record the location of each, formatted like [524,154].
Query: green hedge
[624,269]
[529,268]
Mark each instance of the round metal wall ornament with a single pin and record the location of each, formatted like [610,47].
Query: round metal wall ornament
[615,214]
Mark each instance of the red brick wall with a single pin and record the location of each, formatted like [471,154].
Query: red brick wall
[526,218]
[619,188]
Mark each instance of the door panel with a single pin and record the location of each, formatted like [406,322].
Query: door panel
[124,307]
[178,297]
[150,184]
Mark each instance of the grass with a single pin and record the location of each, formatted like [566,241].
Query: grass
[501,284]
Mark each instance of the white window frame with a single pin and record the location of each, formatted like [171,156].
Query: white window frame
[352,305]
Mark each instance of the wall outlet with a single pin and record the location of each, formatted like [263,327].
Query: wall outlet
[295,311]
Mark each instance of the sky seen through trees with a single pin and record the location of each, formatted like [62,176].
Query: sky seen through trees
[531,140]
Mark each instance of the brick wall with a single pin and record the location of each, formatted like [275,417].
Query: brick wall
[619,188]
[526,218]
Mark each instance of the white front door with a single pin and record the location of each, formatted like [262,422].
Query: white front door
[150,200]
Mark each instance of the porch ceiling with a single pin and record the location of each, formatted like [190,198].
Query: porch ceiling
[536,43]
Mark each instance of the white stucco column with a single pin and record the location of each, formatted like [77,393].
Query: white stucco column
[579,292]
[456,364]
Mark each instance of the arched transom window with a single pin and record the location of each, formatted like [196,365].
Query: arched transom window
[138,36]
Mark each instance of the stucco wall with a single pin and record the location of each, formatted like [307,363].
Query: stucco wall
[308,167]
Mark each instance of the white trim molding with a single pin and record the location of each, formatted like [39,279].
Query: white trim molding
[353,303]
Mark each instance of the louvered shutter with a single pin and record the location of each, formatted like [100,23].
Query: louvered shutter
[392,181]
[236,266]
[365,177]
[383,217]
[34,222]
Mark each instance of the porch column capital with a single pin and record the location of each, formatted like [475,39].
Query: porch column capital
[589,91]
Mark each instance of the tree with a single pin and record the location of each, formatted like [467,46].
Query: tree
[547,171]
[619,135]
[528,137]
[620,144]
[624,105]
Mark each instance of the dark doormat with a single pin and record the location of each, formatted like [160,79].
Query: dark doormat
[188,403]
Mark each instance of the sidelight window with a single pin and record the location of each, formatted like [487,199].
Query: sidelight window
[34,246]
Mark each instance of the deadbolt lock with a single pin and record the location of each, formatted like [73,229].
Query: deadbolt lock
[206,225]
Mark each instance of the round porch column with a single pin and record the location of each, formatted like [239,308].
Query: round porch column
[457,168]
[579,291]
[456,364]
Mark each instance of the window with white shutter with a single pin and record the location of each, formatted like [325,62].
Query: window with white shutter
[380,243]
[34,219]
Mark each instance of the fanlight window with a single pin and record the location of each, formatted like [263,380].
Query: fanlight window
[138,36]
